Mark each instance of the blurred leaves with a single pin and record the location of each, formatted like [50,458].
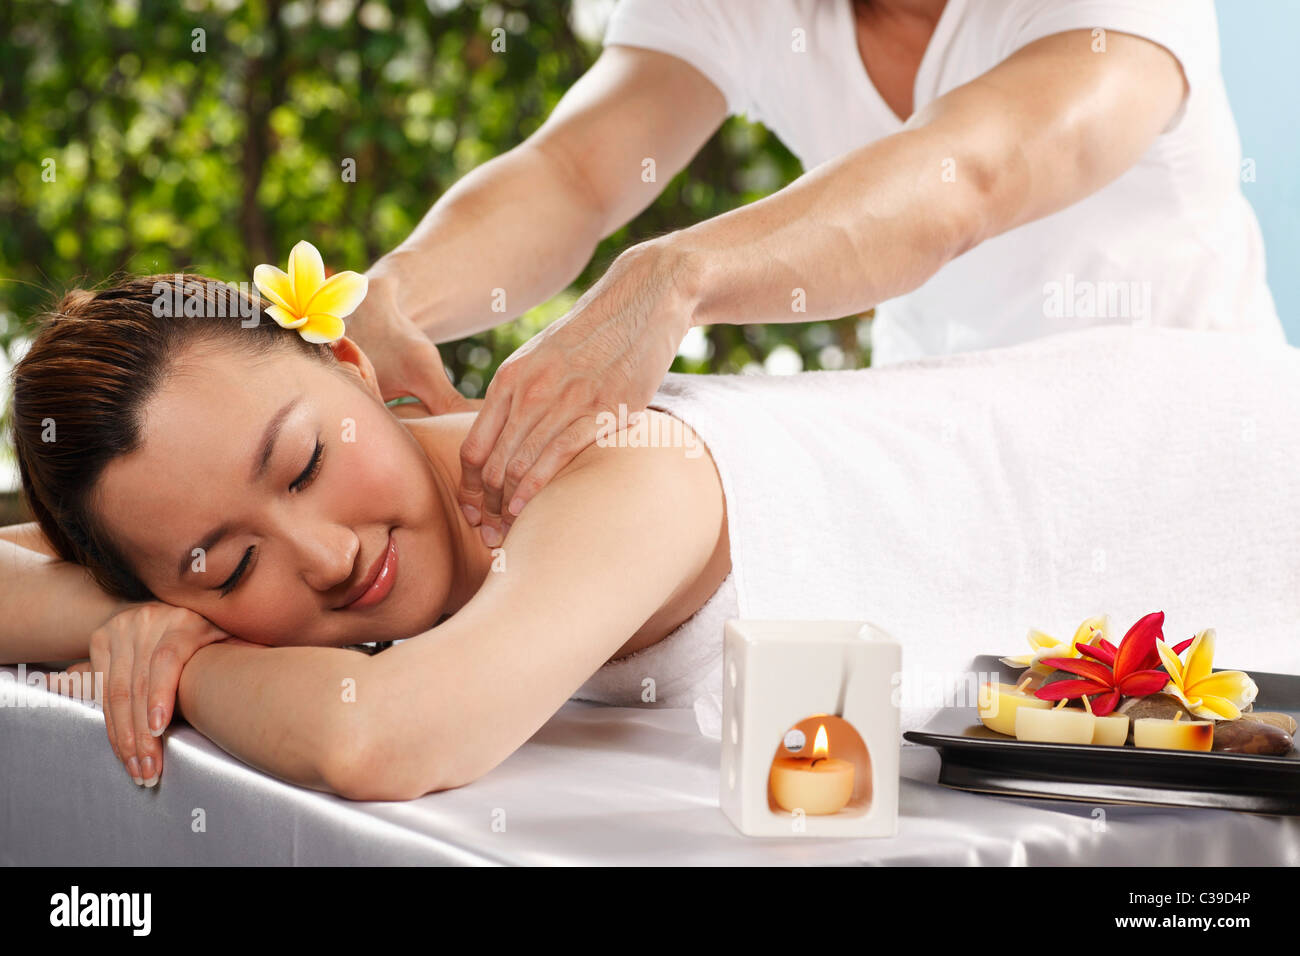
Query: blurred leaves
[153,135]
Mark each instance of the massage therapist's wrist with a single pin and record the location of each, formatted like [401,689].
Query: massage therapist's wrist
[400,291]
[383,302]
[684,267]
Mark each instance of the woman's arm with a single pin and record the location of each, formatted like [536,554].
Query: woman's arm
[280,709]
[612,539]
[48,607]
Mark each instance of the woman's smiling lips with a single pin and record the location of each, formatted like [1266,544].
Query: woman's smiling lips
[378,582]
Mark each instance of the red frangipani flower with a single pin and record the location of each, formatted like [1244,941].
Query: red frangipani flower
[1130,670]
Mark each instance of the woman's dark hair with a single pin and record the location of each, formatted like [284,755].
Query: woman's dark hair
[80,390]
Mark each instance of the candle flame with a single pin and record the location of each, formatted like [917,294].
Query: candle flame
[820,747]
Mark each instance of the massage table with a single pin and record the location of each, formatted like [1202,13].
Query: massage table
[596,785]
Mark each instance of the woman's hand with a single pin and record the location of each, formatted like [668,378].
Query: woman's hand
[140,652]
[545,403]
[405,360]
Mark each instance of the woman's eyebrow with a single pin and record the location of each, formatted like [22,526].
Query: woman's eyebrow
[260,462]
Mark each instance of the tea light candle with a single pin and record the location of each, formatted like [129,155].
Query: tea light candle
[818,785]
[1109,731]
[1172,735]
[998,704]
[1055,726]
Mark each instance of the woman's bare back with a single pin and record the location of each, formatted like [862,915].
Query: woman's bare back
[441,436]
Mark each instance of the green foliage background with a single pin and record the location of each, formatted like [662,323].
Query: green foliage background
[215,161]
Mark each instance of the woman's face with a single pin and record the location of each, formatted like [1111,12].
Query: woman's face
[308,521]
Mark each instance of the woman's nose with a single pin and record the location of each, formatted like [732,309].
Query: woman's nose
[328,557]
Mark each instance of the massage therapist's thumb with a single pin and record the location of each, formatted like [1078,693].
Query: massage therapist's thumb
[421,374]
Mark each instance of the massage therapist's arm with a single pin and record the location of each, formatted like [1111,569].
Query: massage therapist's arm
[602,549]
[542,207]
[1043,129]
[1048,126]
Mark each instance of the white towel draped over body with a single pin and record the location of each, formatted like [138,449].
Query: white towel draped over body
[959,501]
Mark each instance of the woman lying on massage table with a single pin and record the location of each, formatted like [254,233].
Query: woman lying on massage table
[258,485]
[258,482]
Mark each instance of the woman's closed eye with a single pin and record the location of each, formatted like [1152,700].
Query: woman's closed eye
[305,478]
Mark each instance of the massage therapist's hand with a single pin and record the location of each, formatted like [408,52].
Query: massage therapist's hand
[141,651]
[540,410]
[405,359]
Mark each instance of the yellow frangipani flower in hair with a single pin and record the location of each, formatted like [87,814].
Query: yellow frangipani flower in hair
[1208,695]
[1043,645]
[305,300]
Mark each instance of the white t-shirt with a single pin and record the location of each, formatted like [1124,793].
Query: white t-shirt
[1171,242]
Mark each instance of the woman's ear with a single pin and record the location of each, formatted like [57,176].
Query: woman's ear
[356,362]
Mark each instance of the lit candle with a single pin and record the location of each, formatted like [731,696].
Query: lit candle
[998,704]
[1055,726]
[1172,735]
[817,785]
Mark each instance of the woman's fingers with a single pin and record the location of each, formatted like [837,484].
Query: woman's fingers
[169,658]
[117,690]
[99,665]
[68,684]
[147,750]
[164,677]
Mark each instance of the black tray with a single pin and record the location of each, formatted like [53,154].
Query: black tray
[972,757]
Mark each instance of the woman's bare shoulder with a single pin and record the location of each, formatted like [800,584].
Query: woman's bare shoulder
[654,435]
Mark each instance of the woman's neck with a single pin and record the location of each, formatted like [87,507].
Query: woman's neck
[441,437]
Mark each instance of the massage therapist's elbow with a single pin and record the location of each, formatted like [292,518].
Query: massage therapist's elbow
[982,173]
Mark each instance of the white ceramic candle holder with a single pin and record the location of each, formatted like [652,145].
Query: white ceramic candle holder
[783,676]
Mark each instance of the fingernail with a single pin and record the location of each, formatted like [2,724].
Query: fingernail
[133,768]
[491,536]
[152,781]
[156,720]
[471,513]
[148,768]
[516,506]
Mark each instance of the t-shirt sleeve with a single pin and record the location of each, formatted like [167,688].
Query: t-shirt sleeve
[701,32]
[1186,28]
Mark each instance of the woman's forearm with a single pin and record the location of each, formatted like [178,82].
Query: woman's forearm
[519,223]
[48,607]
[289,711]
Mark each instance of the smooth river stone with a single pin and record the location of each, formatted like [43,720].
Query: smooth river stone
[1285,721]
[1248,735]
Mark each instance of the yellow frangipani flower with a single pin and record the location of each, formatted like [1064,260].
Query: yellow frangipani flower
[1044,645]
[305,300]
[1210,696]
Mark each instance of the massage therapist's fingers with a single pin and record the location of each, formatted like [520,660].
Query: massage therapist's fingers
[117,690]
[554,443]
[507,461]
[559,452]
[423,376]
[478,446]
[548,428]
[494,478]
